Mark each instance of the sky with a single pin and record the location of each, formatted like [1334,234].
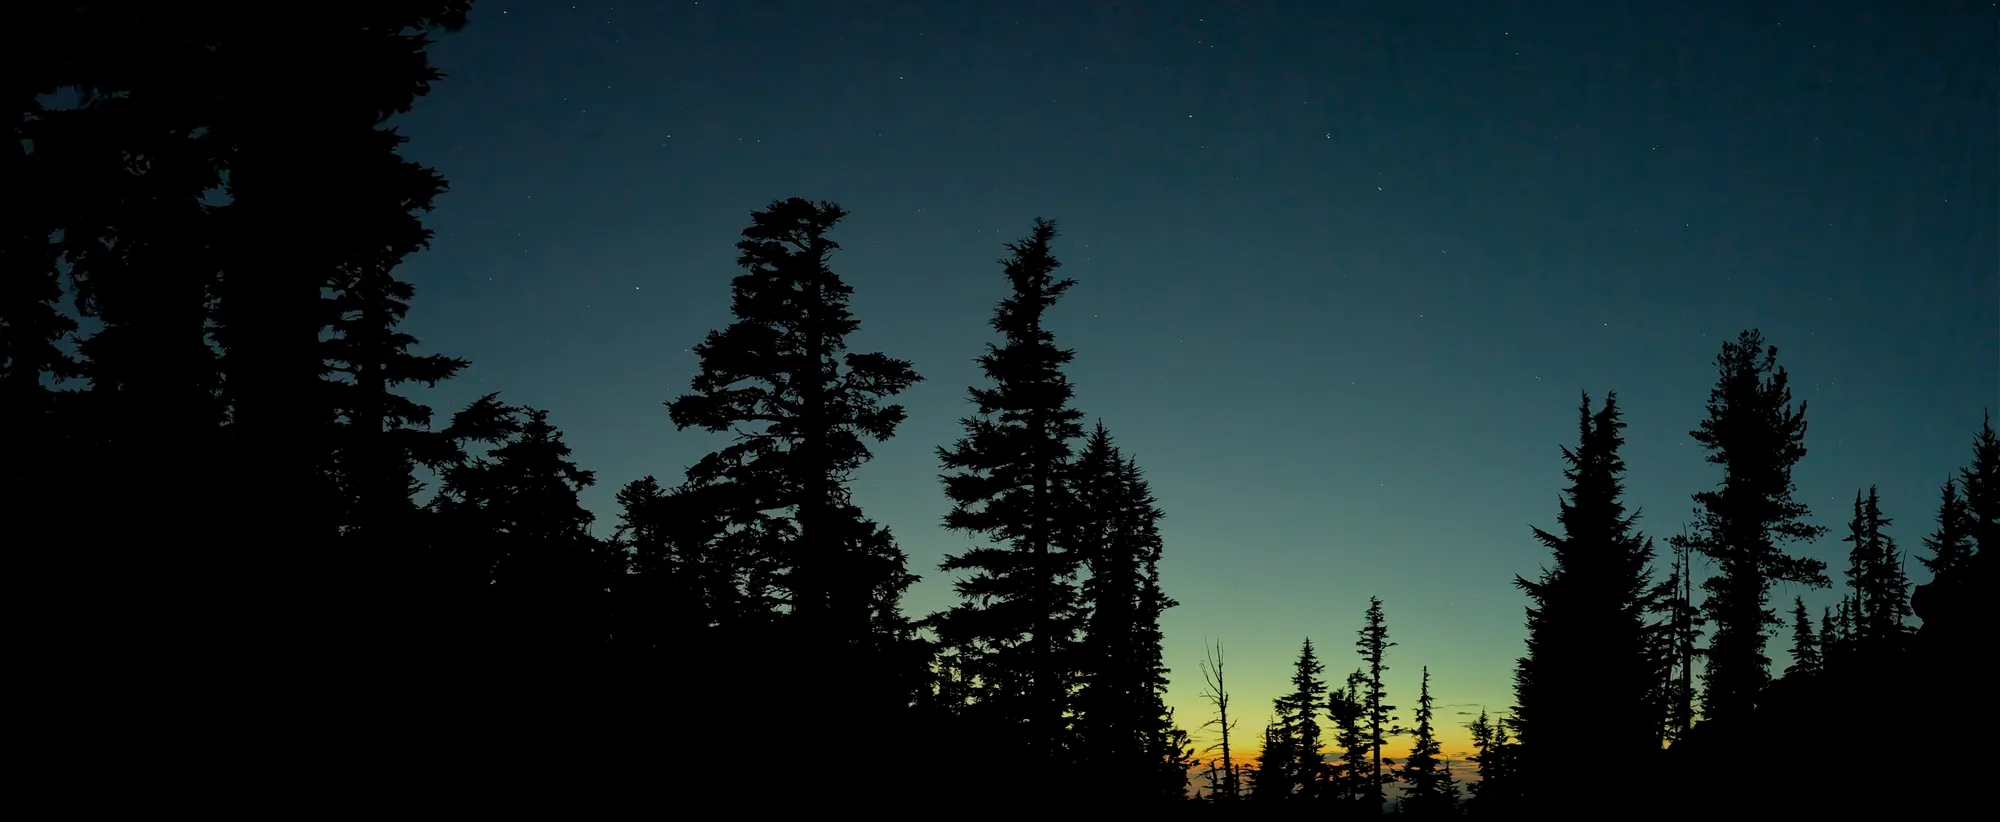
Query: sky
[1344,268]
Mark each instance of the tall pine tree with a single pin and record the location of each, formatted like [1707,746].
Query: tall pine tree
[1017,620]
[1590,679]
[1755,434]
[1378,718]
[1427,788]
[1300,772]
[802,408]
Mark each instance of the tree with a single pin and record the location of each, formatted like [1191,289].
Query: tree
[1683,623]
[1954,604]
[1805,646]
[1377,716]
[1005,478]
[1981,482]
[547,571]
[1828,643]
[1755,434]
[1351,782]
[1496,793]
[1590,679]
[1225,784]
[1951,544]
[802,408]
[1298,771]
[1428,790]
[1272,779]
[1876,578]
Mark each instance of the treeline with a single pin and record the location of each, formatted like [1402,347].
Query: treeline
[260,539]
[1606,703]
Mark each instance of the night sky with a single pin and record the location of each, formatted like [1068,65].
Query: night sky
[1343,267]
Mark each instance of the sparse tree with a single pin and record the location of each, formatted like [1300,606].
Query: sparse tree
[802,408]
[1378,717]
[1756,435]
[1225,784]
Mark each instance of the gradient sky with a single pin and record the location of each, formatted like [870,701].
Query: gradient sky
[1343,267]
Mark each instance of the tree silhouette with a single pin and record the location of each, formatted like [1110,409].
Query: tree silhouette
[1682,626]
[1377,716]
[1352,780]
[801,407]
[1271,781]
[1006,481]
[1590,679]
[1828,643]
[1875,576]
[1428,790]
[1297,768]
[1496,793]
[1225,782]
[1753,432]
[1805,644]
[1951,544]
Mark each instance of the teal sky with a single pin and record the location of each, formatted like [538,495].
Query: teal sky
[1343,267]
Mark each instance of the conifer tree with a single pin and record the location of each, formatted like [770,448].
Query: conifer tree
[1880,590]
[1496,793]
[1006,479]
[802,408]
[1377,716]
[1299,773]
[1755,434]
[1951,544]
[1272,779]
[1427,789]
[1110,536]
[1980,482]
[1349,783]
[548,574]
[1828,643]
[1682,623]
[1805,645]
[1953,605]
[1590,679]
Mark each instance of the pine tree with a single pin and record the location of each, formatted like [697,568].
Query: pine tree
[1754,433]
[1954,603]
[1589,681]
[802,408]
[1828,643]
[1805,646]
[1951,544]
[547,572]
[1345,707]
[1683,623]
[1377,716]
[1875,575]
[1124,729]
[1427,789]
[1496,793]
[1981,483]
[1272,779]
[1300,772]
[1006,481]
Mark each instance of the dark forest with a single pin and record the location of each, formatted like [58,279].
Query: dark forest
[256,562]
